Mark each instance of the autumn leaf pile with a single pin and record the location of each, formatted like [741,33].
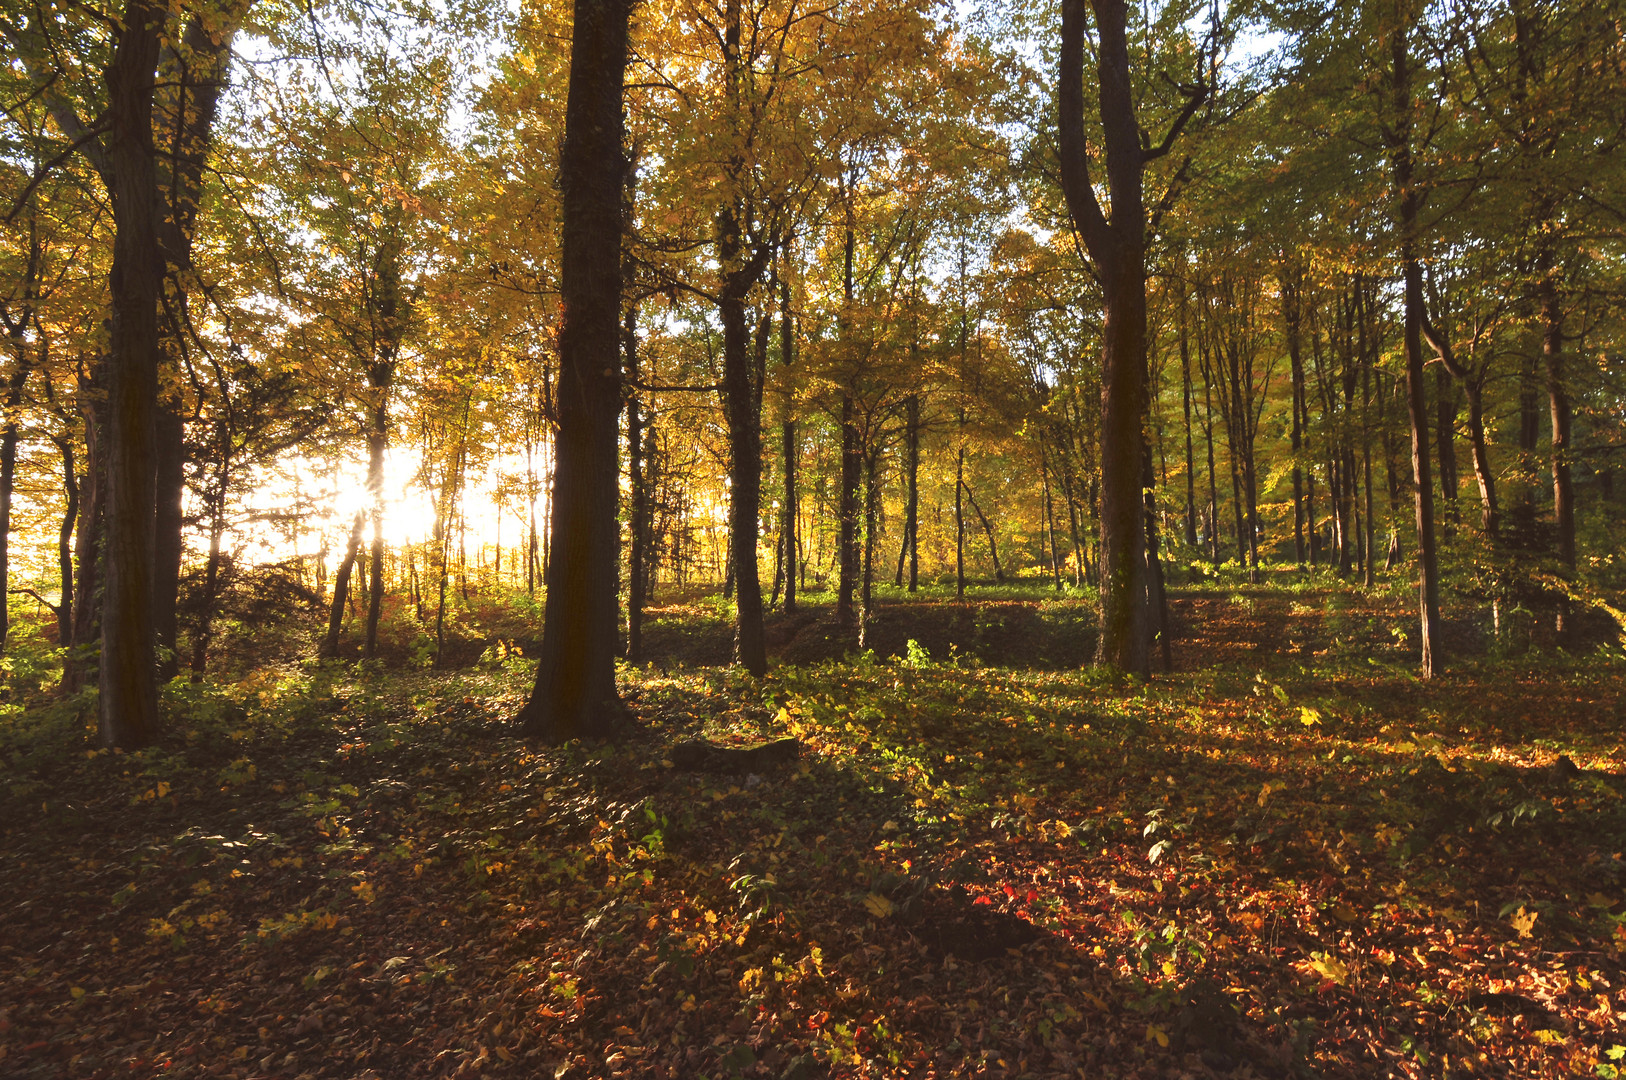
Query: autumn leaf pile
[1293,860]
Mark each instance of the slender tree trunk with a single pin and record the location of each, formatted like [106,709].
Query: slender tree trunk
[1157,596]
[1445,422]
[910,553]
[1416,399]
[1050,520]
[203,636]
[341,588]
[377,447]
[852,464]
[64,545]
[1552,352]
[787,449]
[959,519]
[575,694]
[1213,485]
[988,531]
[1292,318]
[866,613]
[8,479]
[88,535]
[128,702]
[1489,516]
[638,516]
[168,537]
[1185,402]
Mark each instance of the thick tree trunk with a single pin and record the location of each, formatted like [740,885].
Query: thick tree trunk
[128,701]
[1118,250]
[744,416]
[575,694]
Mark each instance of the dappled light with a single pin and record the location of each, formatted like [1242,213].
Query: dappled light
[740,540]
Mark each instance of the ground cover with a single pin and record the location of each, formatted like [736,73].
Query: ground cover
[1289,858]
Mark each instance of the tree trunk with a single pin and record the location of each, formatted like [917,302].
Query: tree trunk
[959,523]
[909,554]
[1292,317]
[848,553]
[1445,422]
[787,448]
[88,534]
[988,530]
[64,545]
[1185,402]
[1490,518]
[203,636]
[1552,352]
[638,494]
[866,610]
[8,479]
[575,694]
[745,478]
[128,701]
[341,589]
[169,543]
[1416,399]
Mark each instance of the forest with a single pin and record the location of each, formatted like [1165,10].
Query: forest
[757,538]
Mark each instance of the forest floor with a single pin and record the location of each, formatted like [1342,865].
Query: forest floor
[1288,858]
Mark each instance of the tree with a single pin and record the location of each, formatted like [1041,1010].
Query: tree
[1115,239]
[575,695]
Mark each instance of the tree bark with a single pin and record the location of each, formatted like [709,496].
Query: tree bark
[64,544]
[1416,398]
[575,694]
[1118,250]
[787,448]
[8,478]
[1292,320]
[909,555]
[1185,402]
[638,493]
[128,702]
